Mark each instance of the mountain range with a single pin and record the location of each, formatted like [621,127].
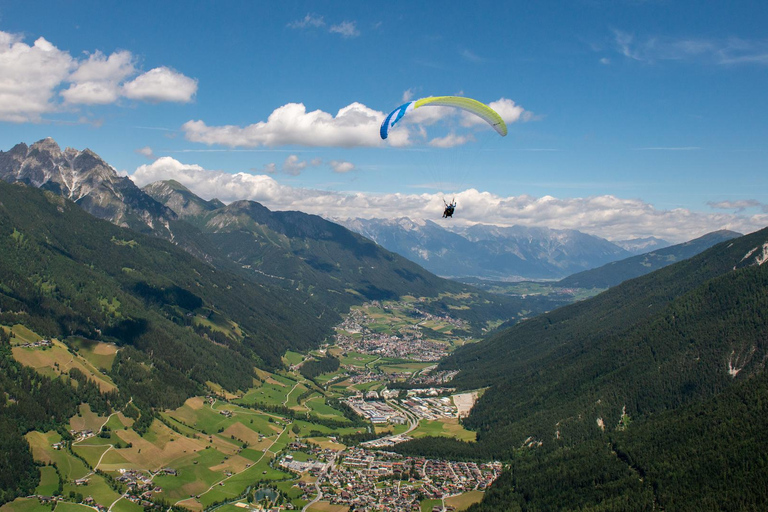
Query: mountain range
[651,395]
[496,253]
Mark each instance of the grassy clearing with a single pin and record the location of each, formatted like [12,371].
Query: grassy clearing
[57,359]
[25,505]
[325,506]
[449,427]
[292,358]
[427,505]
[70,467]
[463,501]
[86,419]
[357,359]
[126,506]
[49,481]
[320,408]
[21,334]
[101,355]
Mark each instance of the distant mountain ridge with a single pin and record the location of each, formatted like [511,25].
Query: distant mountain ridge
[616,272]
[490,252]
[642,245]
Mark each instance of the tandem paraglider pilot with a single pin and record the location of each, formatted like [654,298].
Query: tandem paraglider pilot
[449,208]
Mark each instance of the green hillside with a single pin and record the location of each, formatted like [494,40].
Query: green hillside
[617,400]
[617,272]
[66,273]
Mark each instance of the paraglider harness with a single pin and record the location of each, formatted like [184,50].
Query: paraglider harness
[449,208]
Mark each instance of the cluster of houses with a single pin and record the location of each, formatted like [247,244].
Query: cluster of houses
[36,344]
[80,435]
[407,343]
[379,480]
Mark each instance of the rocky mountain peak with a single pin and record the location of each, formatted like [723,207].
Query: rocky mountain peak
[85,178]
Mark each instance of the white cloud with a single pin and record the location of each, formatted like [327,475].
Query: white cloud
[451,140]
[610,217]
[33,77]
[96,81]
[728,51]
[310,20]
[407,95]
[270,168]
[29,76]
[147,152]
[353,125]
[341,167]
[161,84]
[347,29]
[739,205]
[293,165]
[471,56]
[509,111]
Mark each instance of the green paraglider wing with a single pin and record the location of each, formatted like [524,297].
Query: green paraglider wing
[475,107]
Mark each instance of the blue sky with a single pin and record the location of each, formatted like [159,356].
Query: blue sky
[626,119]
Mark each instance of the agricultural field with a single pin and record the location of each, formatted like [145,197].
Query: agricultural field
[446,427]
[57,359]
[464,501]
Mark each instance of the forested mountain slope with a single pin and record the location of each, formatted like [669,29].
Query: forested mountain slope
[617,272]
[584,400]
[64,272]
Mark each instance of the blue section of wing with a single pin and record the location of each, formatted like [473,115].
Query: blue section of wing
[392,119]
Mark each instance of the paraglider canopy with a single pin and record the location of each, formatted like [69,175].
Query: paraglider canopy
[475,107]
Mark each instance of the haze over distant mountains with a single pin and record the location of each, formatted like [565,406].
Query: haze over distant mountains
[497,253]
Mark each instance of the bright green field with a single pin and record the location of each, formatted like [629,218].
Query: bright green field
[426,505]
[49,481]
[126,506]
[25,505]
[320,408]
[293,357]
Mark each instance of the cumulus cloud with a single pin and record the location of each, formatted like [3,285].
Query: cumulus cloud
[509,111]
[161,84]
[96,81]
[293,165]
[353,125]
[147,152]
[341,167]
[29,77]
[39,79]
[607,216]
[346,29]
